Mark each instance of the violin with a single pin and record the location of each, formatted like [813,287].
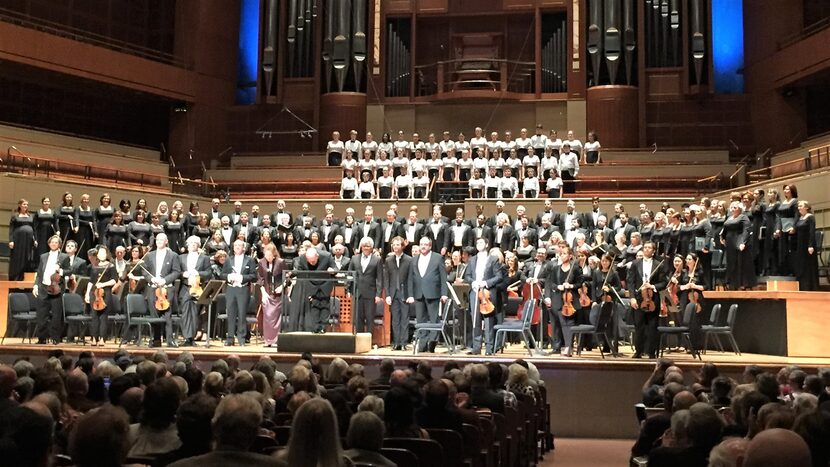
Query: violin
[162,304]
[568,309]
[54,287]
[672,299]
[133,285]
[647,294]
[606,297]
[584,300]
[485,305]
[195,286]
[100,303]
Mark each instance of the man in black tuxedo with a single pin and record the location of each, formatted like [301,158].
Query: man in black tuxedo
[554,217]
[625,227]
[266,226]
[566,219]
[193,265]
[526,230]
[303,231]
[427,288]
[602,231]
[239,271]
[244,227]
[282,217]
[646,273]
[437,231]
[504,237]
[161,269]
[236,215]
[460,234]
[50,308]
[493,220]
[617,222]
[544,232]
[482,230]
[77,266]
[368,273]
[389,229]
[255,218]
[338,255]
[367,228]
[227,230]
[412,231]
[592,217]
[313,296]
[214,212]
[328,230]
[396,272]
[483,272]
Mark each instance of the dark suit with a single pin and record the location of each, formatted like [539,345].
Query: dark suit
[416,230]
[645,332]
[310,310]
[250,236]
[508,238]
[493,222]
[345,262]
[214,215]
[373,232]
[77,267]
[237,298]
[327,238]
[369,285]
[483,231]
[170,270]
[493,274]
[462,239]
[591,218]
[554,217]
[427,291]
[394,230]
[627,230]
[395,279]
[50,307]
[563,223]
[301,233]
[487,398]
[441,239]
[531,234]
[187,303]
[274,218]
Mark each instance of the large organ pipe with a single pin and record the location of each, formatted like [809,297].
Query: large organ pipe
[612,44]
[269,53]
[358,40]
[301,38]
[562,60]
[674,24]
[655,32]
[340,50]
[291,35]
[629,37]
[698,42]
[328,42]
[594,40]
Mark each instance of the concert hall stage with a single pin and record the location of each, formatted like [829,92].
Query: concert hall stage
[589,396]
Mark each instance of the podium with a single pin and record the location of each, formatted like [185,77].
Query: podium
[346,340]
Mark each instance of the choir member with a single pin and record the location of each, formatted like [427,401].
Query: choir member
[465,166]
[420,185]
[554,144]
[163,212]
[449,168]
[349,163]
[431,144]
[335,149]
[400,163]
[575,145]
[805,255]
[239,271]
[554,184]
[446,144]
[116,232]
[67,219]
[367,165]
[382,164]
[523,143]
[530,161]
[46,225]
[769,244]
[415,145]
[401,145]
[124,207]
[419,163]
[103,215]
[539,141]
[139,230]
[366,189]
[476,185]
[460,146]
[703,243]
[512,162]
[385,145]
[369,145]
[403,185]
[348,186]
[530,186]
[174,232]
[592,149]
[508,185]
[478,143]
[787,213]
[568,168]
[735,236]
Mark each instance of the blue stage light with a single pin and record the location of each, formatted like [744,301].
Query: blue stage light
[728,46]
[248,52]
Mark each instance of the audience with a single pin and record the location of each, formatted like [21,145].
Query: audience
[365,439]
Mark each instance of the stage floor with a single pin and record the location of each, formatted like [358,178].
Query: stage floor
[15,347]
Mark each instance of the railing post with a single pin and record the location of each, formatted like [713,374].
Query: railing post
[503,76]
[440,78]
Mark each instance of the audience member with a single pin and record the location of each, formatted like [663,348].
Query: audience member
[100,438]
[365,439]
[314,437]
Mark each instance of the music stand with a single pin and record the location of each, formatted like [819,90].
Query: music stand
[456,292]
[80,288]
[213,288]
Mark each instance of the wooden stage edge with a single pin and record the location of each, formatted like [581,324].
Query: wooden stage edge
[204,356]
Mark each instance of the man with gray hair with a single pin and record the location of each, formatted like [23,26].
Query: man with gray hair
[239,271]
[195,269]
[368,271]
[235,426]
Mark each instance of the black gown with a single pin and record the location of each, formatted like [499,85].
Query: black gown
[175,238]
[117,235]
[102,220]
[769,246]
[46,225]
[22,257]
[65,224]
[687,239]
[740,269]
[85,221]
[805,265]
[717,227]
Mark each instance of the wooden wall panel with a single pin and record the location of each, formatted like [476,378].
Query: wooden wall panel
[519,4]
[432,6]
[397,6]
[664,83]
[342,111]
[612,113]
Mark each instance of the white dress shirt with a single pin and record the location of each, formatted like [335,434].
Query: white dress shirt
[423,263]
[51,267]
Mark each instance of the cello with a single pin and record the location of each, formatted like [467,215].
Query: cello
[532,291]
[694,295]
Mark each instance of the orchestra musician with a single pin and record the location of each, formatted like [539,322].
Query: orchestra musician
[396,270]
[48,289]
[195,266]
[483,273]
[239,271]
[368,272]
[607,291]
[563,280]
[161,268]
[643,275]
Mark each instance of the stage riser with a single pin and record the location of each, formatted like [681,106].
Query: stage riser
[329,343]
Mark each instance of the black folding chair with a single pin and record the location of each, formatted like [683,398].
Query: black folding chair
[74,311]
[20,311]
[726,330]
[443,326]
[518,326]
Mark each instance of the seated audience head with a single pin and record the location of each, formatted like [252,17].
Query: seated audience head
[100,438]
[372,403]
[777,447]
[729,453]
[236,422]
[366,432]
[314,436]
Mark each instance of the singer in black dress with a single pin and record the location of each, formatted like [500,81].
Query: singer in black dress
[66,218]
[735,237]
[805,256]
[21,242]
[46,225]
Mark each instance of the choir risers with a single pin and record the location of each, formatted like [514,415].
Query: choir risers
[257,160]
[277,173]
[666,155]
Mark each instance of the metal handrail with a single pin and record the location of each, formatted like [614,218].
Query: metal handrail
[808,31]
[58,29]
[811,153]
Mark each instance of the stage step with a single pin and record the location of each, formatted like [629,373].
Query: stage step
[253,160]
[275,173]
[719,156]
